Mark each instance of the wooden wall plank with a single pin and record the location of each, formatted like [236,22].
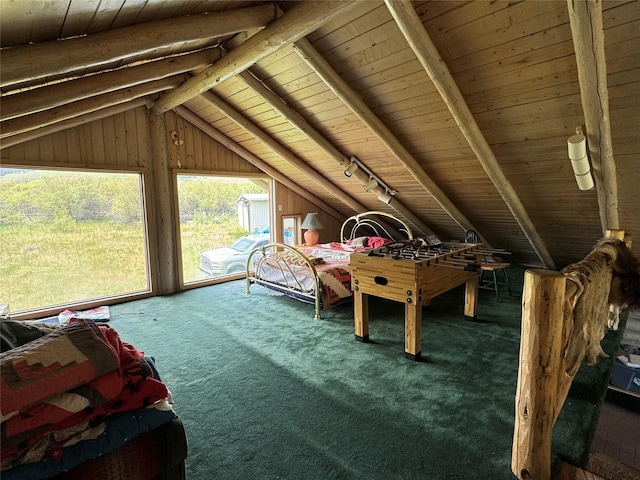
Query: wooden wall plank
[131,137]
[109,132]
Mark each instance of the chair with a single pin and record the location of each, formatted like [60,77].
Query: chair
[490,265]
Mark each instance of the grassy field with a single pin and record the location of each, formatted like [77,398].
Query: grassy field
[46,264]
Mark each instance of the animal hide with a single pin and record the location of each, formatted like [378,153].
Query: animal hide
[625,283]
[607,279]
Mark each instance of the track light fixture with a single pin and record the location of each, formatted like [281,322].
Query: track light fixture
[384,197]
[353,166]
[370,180]
[370,185]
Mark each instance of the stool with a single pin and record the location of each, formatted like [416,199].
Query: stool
[492,283]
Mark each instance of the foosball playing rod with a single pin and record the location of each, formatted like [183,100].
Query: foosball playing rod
[492,252]
[460,266]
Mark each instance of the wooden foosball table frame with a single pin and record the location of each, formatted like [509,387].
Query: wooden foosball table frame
[414,282]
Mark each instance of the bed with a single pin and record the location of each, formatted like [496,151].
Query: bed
[320,275]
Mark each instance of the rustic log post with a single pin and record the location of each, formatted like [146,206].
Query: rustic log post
[587,31]
[540,365]
[166,258]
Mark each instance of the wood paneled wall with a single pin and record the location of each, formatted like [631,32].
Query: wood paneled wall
[191,149]
[290,203]
[120,141]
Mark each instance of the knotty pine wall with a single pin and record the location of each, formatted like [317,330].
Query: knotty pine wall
[119,142]
[287,202]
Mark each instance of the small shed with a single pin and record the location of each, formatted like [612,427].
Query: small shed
[253,211]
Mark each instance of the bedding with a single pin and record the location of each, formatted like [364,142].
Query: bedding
[331,266]
[66,387]
[321,274]
[116,430]
[53,364]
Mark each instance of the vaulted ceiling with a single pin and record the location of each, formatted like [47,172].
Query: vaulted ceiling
[462,108]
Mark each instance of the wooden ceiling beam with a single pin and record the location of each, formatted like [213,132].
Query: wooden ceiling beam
[279,149]
[308,130]
[82,107]
[255,161]
[587,30]
[303,18]
[41,60]
[350,98]
[414,32]
[58,94]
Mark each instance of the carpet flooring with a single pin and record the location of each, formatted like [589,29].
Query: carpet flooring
[267,392]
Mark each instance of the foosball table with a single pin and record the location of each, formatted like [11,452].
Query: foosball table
[412,273]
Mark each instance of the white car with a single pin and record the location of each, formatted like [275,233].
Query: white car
[233,259]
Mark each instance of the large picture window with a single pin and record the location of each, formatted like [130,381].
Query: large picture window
[70,237]
[221,220]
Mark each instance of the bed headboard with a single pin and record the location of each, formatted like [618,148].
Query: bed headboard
[375,224]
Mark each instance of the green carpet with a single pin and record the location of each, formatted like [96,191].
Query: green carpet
[267,392]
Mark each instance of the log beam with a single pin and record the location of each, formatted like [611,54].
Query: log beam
[58,94]
[414,32]
[279,149]
[307,129]
[255,161]
[38,61]
[303,18]
[587,30]
[350,98]
[75,109]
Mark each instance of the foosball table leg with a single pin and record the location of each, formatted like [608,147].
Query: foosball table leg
[471,298]
[412,332]
[361,315]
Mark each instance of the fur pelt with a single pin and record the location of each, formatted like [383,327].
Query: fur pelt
[605,282]
[625,282]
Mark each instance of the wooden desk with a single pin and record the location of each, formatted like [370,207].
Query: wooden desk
[413,282]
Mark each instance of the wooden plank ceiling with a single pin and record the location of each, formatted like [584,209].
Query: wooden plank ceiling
[463,108]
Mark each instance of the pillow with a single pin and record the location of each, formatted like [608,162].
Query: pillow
[358,242]
[377,242]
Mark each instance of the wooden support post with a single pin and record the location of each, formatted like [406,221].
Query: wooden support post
[166,279]
[412,331]
[540,365]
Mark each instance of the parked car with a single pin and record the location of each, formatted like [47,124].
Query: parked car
[233,259]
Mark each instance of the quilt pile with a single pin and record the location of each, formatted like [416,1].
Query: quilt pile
[59,389]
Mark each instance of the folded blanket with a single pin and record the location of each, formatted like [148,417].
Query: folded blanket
[52,364]
[126,387]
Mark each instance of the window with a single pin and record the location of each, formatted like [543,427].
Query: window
[70,237]
[221,219]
